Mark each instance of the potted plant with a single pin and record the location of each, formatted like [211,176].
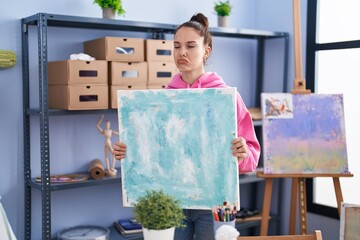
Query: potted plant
[110,8]
[223,10]
[159,214]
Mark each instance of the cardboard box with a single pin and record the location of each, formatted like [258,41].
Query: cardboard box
[157,86]
[113,93]
[161,73]
[79,97]
[77,72]
[125,74]
[159,50]
[116,49]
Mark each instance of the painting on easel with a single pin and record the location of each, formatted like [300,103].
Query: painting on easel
[303,133]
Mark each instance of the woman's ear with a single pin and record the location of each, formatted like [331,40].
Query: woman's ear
[207,53]
[208,50]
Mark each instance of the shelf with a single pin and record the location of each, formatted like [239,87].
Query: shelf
[87,183]
[254,221]
[243,179]
[40,22]
[249,178]
[56,20]
[247,224]
[241,223]
[115,235]
[244,223]
[256,217]
[257,123]
[59,112]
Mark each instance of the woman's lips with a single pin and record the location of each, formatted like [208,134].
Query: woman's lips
[182,61]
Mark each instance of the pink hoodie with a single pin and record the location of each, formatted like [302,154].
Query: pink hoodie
[244,121]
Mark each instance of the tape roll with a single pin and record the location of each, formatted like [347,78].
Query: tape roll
[96,169]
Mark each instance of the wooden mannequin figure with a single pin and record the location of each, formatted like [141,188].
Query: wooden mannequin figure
[108,149]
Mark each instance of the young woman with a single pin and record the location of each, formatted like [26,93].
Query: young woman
[192,47]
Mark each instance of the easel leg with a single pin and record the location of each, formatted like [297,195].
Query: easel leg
[266,207]
[294,190]
[302,206]
[338,193]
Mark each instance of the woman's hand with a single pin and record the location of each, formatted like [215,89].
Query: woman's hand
[119,150]
[239,148]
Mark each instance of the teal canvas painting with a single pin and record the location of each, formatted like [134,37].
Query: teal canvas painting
[304,133]
[179,140]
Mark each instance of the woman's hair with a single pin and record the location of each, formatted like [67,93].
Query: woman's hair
[200,23]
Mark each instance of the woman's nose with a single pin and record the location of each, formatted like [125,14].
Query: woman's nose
[183,53]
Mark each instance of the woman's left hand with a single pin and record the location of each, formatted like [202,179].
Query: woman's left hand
[239,148]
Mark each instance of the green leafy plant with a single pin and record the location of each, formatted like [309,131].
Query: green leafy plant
[222,8]
[157,211]
[116,5]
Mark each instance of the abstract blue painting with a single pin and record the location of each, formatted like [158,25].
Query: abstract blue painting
[179,141]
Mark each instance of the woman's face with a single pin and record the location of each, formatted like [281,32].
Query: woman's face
[189,50]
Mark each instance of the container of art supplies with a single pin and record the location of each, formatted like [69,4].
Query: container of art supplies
[218,224]
[96,169]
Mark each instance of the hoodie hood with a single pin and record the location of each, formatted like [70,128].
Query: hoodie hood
[207,80]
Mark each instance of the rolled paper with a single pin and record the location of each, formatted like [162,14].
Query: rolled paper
[96,169]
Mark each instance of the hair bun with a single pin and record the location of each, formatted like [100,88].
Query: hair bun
[200,18]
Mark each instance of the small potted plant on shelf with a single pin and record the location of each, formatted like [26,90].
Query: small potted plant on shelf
[111,8]
[223,10]
[159,214]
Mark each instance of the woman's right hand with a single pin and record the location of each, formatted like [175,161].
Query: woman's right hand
[119,150]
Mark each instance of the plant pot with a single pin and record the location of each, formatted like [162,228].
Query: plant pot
[108,13]
[223,21]
[166,234]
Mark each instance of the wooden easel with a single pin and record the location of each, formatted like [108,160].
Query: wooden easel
[299,82]
[298,180]
[298,191]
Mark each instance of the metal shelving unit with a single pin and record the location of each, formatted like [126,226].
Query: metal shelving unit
[42,21]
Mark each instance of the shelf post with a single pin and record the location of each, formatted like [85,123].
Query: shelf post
[26,126]
[44,127]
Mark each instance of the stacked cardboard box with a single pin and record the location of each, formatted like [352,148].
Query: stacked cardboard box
[126,62]
[78,85]
[121,64]
[159,55]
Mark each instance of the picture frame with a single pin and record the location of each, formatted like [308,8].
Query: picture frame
[349,221]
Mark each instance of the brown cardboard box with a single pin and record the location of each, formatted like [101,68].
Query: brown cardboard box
[125,74]
[77,72]
[79,97]
[113,89]
[159,50]
[116,49]
[161,73]
[156,86]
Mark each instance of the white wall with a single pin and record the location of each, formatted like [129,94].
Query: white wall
[74,145]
